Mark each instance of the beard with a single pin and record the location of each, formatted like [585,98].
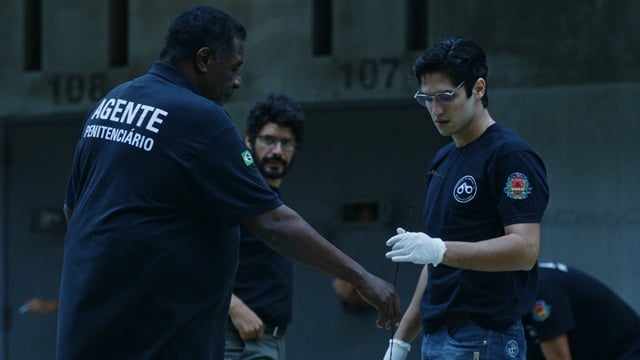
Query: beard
[269,173]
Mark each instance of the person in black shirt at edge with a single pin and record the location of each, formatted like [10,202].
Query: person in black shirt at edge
[576,316]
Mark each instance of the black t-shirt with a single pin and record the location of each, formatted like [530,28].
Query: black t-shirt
[264,281]
[474,192]
[159,183]
[598,323]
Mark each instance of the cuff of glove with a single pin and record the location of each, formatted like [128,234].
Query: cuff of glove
[443,249]
[399,343]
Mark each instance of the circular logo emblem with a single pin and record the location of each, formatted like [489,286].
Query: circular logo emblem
[512,348]
[465,189]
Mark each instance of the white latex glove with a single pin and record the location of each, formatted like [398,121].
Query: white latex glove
[400,350]
[416,247]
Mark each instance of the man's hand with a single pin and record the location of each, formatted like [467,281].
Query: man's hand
[248,324]
[416,247]
[397,350]
[39,306]
[382,296]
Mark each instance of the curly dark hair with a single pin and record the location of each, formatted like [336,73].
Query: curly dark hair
[279,109]
[198,27]
[458,57]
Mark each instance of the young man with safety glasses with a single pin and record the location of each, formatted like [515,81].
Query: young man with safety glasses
[485,198]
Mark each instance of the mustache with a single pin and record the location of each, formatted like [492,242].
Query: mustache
[274,158]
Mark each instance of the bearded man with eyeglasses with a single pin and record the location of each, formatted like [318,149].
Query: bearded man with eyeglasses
[261,303]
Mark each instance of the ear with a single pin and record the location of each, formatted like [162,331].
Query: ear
[204,57]
[479,88]
[247,142]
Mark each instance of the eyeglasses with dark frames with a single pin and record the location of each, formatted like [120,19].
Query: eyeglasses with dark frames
[271,141]
[444,97]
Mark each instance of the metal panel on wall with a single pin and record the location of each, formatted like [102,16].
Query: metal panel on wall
[356,153]
[40,154]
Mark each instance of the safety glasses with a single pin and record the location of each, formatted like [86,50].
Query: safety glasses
[445,97]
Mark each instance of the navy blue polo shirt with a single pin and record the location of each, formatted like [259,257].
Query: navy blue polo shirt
[159,183]
[264,281]
[598,323]
[474,192]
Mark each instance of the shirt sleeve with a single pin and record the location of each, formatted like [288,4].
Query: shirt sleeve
[520,187]
[229,179]
[552,314]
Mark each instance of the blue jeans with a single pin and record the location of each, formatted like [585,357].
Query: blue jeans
[267,347]
[467,340]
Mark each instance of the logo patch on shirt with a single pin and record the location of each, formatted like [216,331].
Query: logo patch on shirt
[465,189]
[247,158]
[541,311]
[517,186]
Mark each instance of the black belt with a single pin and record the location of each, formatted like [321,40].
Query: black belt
[275,331]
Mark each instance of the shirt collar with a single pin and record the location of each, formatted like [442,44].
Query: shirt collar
[172,74]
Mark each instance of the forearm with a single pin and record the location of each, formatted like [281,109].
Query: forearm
[517,250]
[287,233]
[557,348]
[411,325]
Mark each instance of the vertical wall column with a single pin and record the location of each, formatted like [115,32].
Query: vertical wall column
[118,33]
[32,45]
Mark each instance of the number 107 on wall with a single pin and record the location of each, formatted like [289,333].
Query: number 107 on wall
[369,73]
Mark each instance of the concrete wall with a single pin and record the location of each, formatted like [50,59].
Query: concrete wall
[38,163]
[564,75]
[583,134]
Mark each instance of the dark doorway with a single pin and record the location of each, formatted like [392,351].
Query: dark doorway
[39,153]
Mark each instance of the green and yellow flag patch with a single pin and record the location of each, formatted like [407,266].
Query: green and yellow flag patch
[247,158]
